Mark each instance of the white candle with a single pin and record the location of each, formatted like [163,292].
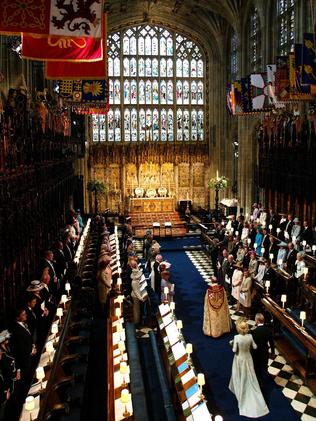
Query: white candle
[59,313]
[255,245]
[201,379]
[270,227]
[40,375]
[123,367]
[189,349]
[54,328]
[278,230]
[302,315]
[179,324]
[283,299]
[217,175]
[304,243]
[236,233]
[67,287]
[118,312]
[49,347]
[63,300]
[280,261]
[271,256]
[263,250]
[249,241]
[267,284]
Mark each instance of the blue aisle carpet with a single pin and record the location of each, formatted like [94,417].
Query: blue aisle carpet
[179,243]
[211,356]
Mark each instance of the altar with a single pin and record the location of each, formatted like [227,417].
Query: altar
[151,204]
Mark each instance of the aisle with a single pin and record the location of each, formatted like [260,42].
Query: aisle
[213,357]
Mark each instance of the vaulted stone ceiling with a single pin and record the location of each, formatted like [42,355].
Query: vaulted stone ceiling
[209,20]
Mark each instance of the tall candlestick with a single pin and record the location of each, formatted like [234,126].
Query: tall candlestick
[217,175]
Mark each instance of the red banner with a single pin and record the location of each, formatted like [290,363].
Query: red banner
[63,70]
[73,70]
[58,48]
[62,18]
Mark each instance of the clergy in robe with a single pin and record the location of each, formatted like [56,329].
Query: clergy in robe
[216,320]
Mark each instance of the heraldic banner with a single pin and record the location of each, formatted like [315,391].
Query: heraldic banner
[61,18]
[65,49]
[86,96]
[76,70]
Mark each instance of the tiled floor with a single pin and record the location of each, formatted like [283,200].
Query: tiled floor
[302,398]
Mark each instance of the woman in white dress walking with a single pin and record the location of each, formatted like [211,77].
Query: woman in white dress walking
[243,382]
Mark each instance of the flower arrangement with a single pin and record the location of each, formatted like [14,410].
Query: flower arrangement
[218,183]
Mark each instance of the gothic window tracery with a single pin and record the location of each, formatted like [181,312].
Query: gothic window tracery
[255,42]
[234,64]
[286,25]
[156,88]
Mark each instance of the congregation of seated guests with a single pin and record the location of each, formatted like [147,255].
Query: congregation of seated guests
[22,340]
[144,285]
[263,252]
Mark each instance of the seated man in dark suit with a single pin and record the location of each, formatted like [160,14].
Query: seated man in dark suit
[263,338]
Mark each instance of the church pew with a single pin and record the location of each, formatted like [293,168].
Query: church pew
[167,400]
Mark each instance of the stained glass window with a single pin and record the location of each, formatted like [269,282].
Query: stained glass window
[255,42]
[286,25]
[156,88]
